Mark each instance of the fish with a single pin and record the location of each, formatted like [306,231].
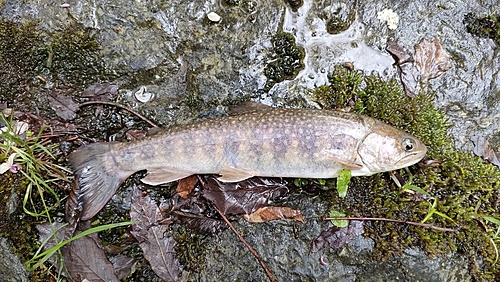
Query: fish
[296,143]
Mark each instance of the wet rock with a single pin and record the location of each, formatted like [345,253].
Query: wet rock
[11,268]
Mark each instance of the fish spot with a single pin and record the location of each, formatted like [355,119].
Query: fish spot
[295,144]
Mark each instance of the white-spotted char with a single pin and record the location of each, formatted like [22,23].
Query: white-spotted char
[304,143]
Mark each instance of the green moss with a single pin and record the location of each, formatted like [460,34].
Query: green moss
[287,62]
[69,59]
[485,26]
[191,249]
[465,186]
[232,2]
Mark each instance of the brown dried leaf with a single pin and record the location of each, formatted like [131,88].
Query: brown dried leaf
[273,213]
[201,224]
[101,91]
[243,197]
[64,106]
[186,185]
[124,266]
[338,237]
[431,59]
[409,73]
[483,149]
[135,134]
[157,246]
[85,259]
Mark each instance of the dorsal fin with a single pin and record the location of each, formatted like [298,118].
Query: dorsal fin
[247,107]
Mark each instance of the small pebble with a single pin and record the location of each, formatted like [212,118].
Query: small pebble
[213,17]
[142,95]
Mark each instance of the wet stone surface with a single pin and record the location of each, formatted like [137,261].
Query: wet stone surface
[173,50]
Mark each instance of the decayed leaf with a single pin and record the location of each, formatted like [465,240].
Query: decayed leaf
[186,185]
[157,246]
[64,106]
[85,259]
[409,73]
[243,197]
[483,149]
[135,134]
[431,59]
[123,265]
[101,91]
[273,213]
[201,224]
[338,237]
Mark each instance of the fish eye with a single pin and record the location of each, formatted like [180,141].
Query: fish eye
[408,144]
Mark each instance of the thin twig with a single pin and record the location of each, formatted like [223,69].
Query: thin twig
[393,220]
[268,272]
[120,106]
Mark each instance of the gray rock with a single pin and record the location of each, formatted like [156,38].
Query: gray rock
[11,268]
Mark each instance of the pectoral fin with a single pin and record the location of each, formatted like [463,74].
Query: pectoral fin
[160,176]
[231,174]
[347,164]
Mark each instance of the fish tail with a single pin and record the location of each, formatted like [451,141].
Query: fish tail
[98,177]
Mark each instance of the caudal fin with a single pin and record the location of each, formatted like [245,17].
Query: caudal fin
[98,176]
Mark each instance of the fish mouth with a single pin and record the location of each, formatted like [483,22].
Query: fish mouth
[411,159]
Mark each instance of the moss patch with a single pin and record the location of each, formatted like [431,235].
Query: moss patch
[485,26]
[466,187]
[287,60]
[69,60]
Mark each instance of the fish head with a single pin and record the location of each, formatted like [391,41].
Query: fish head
[386,148]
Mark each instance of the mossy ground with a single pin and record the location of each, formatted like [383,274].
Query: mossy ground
[466,186]
[287,60]
[68,59]
[485,26]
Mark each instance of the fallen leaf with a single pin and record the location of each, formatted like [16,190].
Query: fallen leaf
[123,265]
[135,134]
[431,59]
[64,106]
[84,258]
[195,203]
[337,237]
[409,73]
[157,246]
[101,91]
[483,149]
[273,213]
[428,61]
[201,224]
[244,197]
[186,185]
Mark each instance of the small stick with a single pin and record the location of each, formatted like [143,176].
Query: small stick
[393,220]
[268,272]
[120,106]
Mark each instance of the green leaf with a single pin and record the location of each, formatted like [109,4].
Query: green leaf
[416,189]
[343,181]
[338,222]
[492,220]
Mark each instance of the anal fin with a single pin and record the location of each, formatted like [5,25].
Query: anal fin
[158,176]
[231,174]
